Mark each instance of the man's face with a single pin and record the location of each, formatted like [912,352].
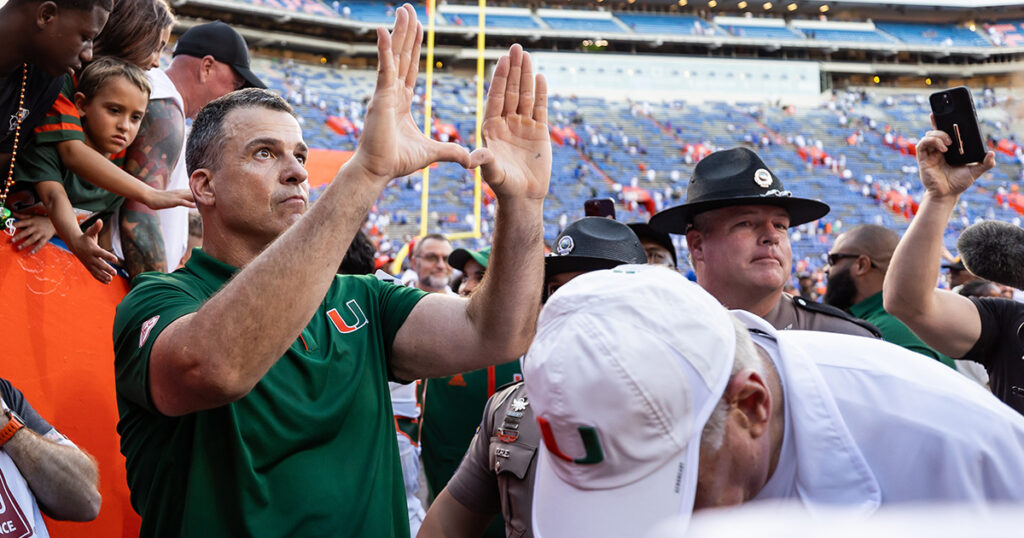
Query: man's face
[260,183]
[474,275]
[747,249]
[656,254]
[66,40]
[112,117]
[840,290]
[431,263]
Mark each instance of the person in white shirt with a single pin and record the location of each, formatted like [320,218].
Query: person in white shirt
[655,401]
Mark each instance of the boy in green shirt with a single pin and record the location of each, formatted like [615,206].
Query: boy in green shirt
[111,100]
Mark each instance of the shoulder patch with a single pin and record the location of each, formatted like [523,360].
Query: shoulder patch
[147,326]
[829,310]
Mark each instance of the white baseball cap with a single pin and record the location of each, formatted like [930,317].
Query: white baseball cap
[625,370]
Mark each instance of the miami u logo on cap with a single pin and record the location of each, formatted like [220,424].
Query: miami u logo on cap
[588,434]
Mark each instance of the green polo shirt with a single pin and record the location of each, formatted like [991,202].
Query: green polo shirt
[893,330]
[310,451]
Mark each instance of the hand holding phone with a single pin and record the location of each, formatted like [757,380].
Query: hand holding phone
[954,113]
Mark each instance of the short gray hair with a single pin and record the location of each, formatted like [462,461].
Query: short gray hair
[746,358]
[206,141]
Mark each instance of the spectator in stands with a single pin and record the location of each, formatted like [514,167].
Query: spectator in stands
[208,403]
[111,101]
[958,274]
[472,264]
[41,43]
[40,469]
[981,329]
[430,262]
[135,33]
[736,220]
[856,270]
[657,245]
[732,410]
[210,60]
[509,436]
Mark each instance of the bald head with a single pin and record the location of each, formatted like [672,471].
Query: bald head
[876,242]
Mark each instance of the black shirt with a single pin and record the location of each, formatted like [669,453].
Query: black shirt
[1000,348]
[40,92]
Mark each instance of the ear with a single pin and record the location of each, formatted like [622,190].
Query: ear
[748,393]
[695,242]
[80,102]
[201,183]
[46,14]
[206,67]
[861,266]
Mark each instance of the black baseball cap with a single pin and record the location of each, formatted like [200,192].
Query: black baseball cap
[221,41]
[644,231]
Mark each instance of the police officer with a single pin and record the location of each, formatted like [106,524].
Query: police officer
[736,220]
[496,476]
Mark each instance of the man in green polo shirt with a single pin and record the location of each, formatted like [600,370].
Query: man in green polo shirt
[857,266]
[252,383]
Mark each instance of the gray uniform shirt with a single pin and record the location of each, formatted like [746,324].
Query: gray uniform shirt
[498,470]
[799,313]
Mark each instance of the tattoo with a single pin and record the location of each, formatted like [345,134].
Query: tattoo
[151,158]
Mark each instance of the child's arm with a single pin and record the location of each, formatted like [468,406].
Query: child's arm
[33,232]
[93,167]
[83,245]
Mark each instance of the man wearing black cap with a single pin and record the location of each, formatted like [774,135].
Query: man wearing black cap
[496,475]
[210,60]
[657,245]
[736,220]
[958,273]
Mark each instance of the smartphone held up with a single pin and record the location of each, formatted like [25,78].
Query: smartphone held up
[954,114]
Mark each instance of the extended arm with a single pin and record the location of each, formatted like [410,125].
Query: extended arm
[217,354]
[441,335]
[448,518]
[93,167]
[82,245]
[63,478]
[151,158]
[946,321]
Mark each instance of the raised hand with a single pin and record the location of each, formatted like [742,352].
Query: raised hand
[516,157]
[97,260]
[938,177]
[33,232]
[160,199]
[391,145]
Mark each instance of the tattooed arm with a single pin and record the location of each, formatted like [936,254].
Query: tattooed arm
[150,158]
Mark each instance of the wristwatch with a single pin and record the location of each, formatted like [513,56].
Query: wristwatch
[14,424]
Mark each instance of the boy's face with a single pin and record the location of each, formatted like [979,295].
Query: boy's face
[112,117]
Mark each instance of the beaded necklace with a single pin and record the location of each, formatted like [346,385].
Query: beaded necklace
[4,212]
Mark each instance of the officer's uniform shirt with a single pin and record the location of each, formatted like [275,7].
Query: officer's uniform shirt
[498,471]
[799,313]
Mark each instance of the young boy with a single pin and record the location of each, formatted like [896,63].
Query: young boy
[111,100]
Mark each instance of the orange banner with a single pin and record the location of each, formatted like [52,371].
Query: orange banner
[57,349]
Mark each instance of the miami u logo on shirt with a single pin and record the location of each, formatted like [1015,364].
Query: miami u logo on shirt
[357,317]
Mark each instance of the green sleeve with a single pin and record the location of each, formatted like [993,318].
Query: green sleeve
[395,303]
[62,121]
[154,303]
[38,162]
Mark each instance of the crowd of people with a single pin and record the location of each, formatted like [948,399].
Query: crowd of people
[275,382]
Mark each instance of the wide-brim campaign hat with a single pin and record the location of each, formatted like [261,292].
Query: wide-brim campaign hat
[593,243]
[735,177]
[458,258]
[221,41]
[622,386]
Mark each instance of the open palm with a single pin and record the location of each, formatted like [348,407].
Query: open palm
[517,147]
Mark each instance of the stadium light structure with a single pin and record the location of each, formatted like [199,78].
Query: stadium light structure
[791,7]
[742,4]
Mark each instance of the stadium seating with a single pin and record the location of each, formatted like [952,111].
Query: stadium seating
[847,36]
[308,7]
[765,32]
[492,21]
[579,24]
[933,34]
[649,23]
